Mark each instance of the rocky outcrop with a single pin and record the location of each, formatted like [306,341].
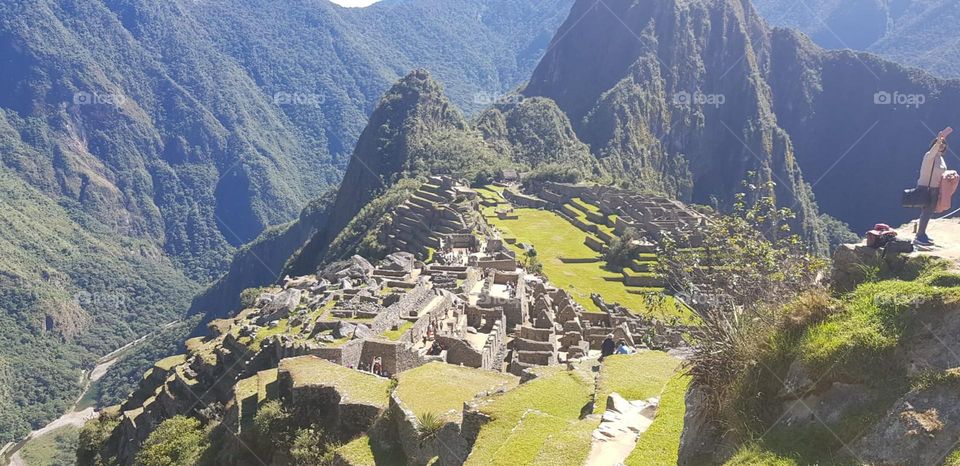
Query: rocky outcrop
[923,427]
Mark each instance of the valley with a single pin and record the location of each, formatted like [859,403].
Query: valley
[473,232]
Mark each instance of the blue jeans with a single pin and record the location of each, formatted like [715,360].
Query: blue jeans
[927,212]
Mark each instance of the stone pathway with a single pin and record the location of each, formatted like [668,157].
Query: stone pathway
[619,429]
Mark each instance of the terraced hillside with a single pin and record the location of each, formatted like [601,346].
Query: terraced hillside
[570,243]
[454,354]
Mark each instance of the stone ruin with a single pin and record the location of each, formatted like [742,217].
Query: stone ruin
[651,216]
[472,305]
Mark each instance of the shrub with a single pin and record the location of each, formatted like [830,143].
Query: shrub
[428,426]
[177,441]
[623,249]
[311,447]
[94,435]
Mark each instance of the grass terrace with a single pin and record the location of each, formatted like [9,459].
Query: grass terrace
[352,385]
[362,452]
[441,389]
[635,376]
[555,238]
[170,362]
[661,442]
[394,335]
[537,423]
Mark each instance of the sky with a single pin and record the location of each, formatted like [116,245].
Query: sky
[354,2]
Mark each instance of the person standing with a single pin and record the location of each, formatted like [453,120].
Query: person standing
[931,173]
[607,347]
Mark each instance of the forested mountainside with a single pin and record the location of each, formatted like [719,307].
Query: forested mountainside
[164,135]
[688,96]
[919,33]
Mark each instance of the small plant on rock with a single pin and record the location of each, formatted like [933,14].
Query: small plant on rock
[428,426]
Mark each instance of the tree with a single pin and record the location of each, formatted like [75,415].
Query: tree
[177,441]
[93,436]
[312,447]
[531,262]
[623,249]
[747,268]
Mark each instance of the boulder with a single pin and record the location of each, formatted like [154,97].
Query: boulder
[399,261]
[922,428]
[701,441]
[829,406]
[280,306]
[797,382]
[355,267]
[848,263]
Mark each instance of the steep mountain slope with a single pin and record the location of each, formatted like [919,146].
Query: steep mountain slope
[672,101]
[414,132]
[201,151]
[919,33]
[74,293]
[184,129]
[689,96]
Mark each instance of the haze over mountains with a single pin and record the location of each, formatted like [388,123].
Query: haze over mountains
[920,33]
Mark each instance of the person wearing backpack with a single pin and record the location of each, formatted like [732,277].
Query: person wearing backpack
[931,173]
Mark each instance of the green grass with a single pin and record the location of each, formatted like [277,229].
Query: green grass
[352,385]
[362,452]
[660,444]
[529,422]
[57,447]
[394,335]
[553,237]
[265,332]
[753,455]
[441,389]
[585,206]
[245,388]
[859,341]
[635,376]
[170,362]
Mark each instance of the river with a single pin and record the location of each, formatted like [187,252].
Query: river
[78,414]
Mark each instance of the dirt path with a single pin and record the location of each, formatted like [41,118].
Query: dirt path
[945,232]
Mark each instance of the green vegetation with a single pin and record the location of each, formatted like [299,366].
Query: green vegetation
[57,447]
[71,292]
[177,441]
[363,452]
[352,385]
[661,442]
[535,133]
[441,389]
[93,437]
[528,422]
[394,335]
[554,238]
[636,376]
[858,343]
[853,338]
